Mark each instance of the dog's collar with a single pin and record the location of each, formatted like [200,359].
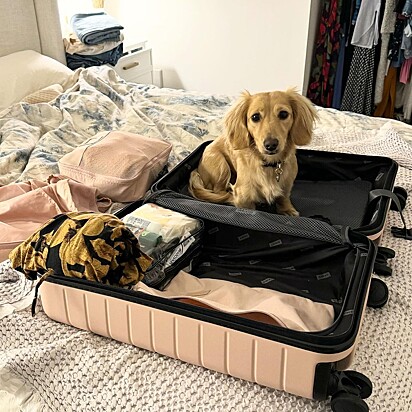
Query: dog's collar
[277,166]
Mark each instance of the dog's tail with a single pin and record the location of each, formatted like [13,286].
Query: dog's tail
[197,189]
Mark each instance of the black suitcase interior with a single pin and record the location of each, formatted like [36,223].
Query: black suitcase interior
[338,188]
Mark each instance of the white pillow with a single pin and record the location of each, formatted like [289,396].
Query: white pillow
[25,72]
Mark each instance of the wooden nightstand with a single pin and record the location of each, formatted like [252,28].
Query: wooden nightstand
[136,64]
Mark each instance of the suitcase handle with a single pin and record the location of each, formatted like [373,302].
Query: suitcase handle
[402,195]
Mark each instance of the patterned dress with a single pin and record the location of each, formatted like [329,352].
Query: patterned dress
[320,90]
[357,97]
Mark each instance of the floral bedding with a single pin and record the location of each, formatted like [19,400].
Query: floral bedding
[34,137]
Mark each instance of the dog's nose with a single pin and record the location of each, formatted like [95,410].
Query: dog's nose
[271,144]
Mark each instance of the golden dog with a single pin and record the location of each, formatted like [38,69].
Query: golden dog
[254,161]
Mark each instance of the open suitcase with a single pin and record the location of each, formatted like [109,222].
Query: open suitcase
[304,256]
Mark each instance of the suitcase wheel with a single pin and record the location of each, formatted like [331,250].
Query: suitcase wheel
[382,269]
[362,382]
[381,266]
[346,402]
[402,195]
[385,253]
[378,294]
[348,389]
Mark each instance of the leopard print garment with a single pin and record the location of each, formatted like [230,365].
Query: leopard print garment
[94,246]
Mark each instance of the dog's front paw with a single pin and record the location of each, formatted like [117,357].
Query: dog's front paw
[289,212]
[293,212]
[284,207]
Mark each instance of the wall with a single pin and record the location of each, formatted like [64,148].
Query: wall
[69,7]
[222,46]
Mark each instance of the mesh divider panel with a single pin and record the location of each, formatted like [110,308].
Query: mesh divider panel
[248,218]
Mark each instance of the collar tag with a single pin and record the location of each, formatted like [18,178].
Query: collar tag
[277,167]
[278,171]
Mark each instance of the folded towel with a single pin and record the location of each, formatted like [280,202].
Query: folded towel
[95,28]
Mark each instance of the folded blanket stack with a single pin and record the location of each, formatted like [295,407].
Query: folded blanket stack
[96,40]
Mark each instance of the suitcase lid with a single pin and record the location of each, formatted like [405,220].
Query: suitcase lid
[328,185]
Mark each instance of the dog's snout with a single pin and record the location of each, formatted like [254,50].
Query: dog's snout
[271,144]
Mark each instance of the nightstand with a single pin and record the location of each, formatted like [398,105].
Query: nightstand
[136,64]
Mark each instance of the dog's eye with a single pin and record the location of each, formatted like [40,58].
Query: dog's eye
[255,117]
[283,114]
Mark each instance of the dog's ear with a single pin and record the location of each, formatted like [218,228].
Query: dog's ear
[236,123]
[304,115]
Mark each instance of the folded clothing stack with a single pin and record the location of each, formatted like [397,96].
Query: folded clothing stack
[96,40]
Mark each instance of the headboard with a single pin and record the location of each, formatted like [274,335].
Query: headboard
[31,24]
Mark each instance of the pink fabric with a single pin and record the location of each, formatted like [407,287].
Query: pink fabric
[260,304]
[405,71]
[25,206]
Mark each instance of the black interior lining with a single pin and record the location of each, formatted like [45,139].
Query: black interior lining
[309,268]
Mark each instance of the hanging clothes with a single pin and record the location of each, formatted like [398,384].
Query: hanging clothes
[340,80]
[358,92]
[407,9]
[348,58]
[356,7]
[400,4]
[386,107]
[360,87]
[387,27]
[405,72]
[337,87]
[406,100]
[406,45]
[366,33]
[396,39]
[320,90]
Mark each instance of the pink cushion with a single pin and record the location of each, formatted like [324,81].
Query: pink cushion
[121,165]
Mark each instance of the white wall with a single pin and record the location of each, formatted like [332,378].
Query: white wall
[221,46]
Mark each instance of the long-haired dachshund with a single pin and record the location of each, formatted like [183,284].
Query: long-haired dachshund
[254,161]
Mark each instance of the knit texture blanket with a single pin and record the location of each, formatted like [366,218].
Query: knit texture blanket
[48,366]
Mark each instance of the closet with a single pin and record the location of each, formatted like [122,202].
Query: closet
[363,57]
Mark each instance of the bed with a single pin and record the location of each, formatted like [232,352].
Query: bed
[45,365]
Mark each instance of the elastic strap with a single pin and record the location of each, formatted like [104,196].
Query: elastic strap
[36,290]
[404,232]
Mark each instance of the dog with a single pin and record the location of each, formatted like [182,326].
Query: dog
[254,160]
